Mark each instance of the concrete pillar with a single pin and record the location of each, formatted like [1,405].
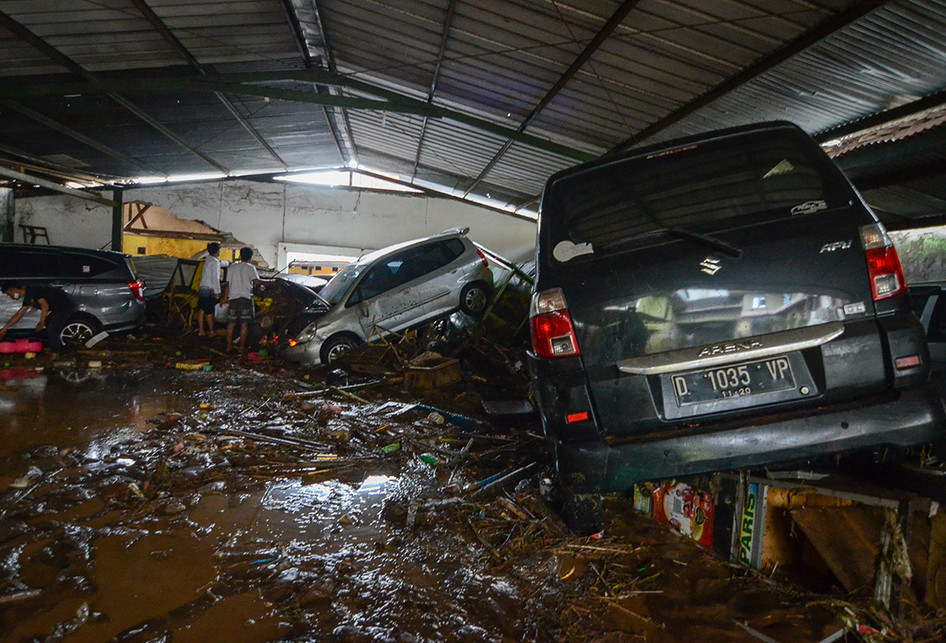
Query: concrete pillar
[7,213]
[117,222]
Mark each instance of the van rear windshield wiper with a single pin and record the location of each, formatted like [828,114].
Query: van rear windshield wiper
[683,233]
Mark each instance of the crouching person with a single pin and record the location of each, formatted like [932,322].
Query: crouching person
[53,304]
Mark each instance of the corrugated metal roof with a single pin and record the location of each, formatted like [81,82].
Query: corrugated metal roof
[481,98]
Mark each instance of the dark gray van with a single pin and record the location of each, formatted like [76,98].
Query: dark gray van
[102,285]
[720,302]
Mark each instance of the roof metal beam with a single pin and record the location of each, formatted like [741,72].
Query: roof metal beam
[179,47]
[812,37]
[230,83]
[56,187]
[298,33]
[603,34]
[440,193]
[246,83]
[41,45]
[336,121]
[134,109]
[79,136]
[23,159]
[58,57]
[447,21]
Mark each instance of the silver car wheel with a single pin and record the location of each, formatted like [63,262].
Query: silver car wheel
[336,347]
[474,299]
[76,333]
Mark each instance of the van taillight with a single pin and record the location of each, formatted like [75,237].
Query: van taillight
[138,287]
[552,331]
[883,264]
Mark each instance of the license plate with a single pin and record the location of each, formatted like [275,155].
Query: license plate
[735,380]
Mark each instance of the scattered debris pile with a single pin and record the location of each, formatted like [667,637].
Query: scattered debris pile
[276,508]
[404,490]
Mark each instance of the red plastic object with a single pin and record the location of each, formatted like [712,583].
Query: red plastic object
[21,346]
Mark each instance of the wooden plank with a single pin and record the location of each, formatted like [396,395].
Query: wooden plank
[847,539]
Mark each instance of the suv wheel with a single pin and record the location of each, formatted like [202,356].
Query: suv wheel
[77,332]
[335,347]
[474,298]
[582,512]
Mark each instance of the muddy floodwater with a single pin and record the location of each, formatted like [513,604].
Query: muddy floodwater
[247,504]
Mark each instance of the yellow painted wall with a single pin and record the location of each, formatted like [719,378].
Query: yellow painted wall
[183,248]
[316,268]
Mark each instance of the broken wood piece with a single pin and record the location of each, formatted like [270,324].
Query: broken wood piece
[351,395]
[515,509]
[846,538]
[19,596]
[296,442]
[344,390]
[624,610]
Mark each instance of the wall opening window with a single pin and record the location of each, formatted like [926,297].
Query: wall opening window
[314,269]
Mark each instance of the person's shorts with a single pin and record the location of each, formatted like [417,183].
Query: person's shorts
[206,300]
[241,310]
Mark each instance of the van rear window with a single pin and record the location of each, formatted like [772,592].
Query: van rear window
[706,187]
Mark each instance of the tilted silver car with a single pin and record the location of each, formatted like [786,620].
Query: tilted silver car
[390,290]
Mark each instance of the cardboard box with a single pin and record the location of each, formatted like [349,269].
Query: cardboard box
[690,511]
[429,378]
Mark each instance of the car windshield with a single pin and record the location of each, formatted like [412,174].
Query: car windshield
[335,289]
[700,188]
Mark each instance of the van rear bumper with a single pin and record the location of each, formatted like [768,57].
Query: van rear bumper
[912,417]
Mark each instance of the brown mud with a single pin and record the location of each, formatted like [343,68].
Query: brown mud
[144,501]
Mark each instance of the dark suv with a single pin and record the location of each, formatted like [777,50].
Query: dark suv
[719,302]
[102,286]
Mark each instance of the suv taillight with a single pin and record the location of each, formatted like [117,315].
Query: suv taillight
[483,257]
[138,288]
[883,264]
[552,331]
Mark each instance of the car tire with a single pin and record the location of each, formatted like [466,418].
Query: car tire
[77,332]
[334,347]
[474,298]
[582,512]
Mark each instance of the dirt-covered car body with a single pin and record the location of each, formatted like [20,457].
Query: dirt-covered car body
[720,302]
[102,286]
[390,290]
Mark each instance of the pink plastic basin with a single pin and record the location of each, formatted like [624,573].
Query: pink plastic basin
[21,346]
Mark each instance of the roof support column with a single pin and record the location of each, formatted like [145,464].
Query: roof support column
[6,215]
[117,223]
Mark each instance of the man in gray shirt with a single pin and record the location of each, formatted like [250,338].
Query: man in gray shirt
[241,277]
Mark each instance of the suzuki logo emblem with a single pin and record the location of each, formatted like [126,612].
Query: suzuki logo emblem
[710,265]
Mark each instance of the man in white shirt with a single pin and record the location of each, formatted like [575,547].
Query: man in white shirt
[241,277]
[208,293]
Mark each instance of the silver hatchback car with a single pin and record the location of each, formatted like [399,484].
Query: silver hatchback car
[390,290]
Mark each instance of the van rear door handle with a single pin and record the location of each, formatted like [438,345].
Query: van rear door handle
[737,350]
